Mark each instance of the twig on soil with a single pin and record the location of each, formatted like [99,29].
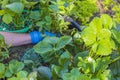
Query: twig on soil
[100,6]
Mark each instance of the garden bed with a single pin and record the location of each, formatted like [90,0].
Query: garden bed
[89,51]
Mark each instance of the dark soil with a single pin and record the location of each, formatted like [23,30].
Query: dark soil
[18,52]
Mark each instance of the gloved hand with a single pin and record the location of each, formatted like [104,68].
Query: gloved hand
[36,36]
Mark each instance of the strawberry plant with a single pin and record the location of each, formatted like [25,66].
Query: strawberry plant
[51,47]
[14,70]
[98,35]
[12,14]
[89,63]
[86,55]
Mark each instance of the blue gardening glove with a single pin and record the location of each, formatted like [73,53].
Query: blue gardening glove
[36,36]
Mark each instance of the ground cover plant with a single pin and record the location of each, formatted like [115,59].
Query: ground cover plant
[92,54]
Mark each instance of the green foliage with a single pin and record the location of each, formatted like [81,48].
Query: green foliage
[99,37]
[10,10]
[15,66]
[52,20]
[107,4]
[75,55]
[22,75]
[87,68]
[113,7]
[98,67]
[50,46]
[75,75]
[84,9]
[116,9]
[14,71]
[116,34]
[93,62]
[16,7]
[2,70]
[12,14]
[7,18]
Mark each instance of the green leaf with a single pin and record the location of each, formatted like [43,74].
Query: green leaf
[66,4]
[107,21]
[75,71]
[40,23]
[22,74]
[87,65]
[34,15]
[83,54]
[64,58]
[94,47]
[77,35]
[113,45]
[7,18]
[54,7]
[16,7]
[28,4]
[82,64]
[116,35]
[96,24]
[45,72]
[4,3]
[89,35]
[63,41]
[43,47]
[104,34]
[105,75]
[2,12]
[75,75]
[48,18]
[1,37]
[2,70]
[8,73]
[29,61]
[102,64]
[55,70]
[95,79]
[15,66]
[58,71]
[33,75]
[104,47]
[13,78]
[51,40]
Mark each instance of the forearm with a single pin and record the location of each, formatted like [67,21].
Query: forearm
[16,39]
[21,39]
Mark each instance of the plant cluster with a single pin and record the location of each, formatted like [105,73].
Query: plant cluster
[35,15]
[72,62]
[14,71]
[84,10]
[86,55]
[112,7]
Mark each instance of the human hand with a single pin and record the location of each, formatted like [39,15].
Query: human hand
[36,36]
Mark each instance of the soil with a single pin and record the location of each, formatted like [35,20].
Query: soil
[18,52]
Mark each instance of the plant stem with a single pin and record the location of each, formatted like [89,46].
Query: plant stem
[116,59]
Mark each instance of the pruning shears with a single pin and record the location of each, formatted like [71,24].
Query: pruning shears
[74,24]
